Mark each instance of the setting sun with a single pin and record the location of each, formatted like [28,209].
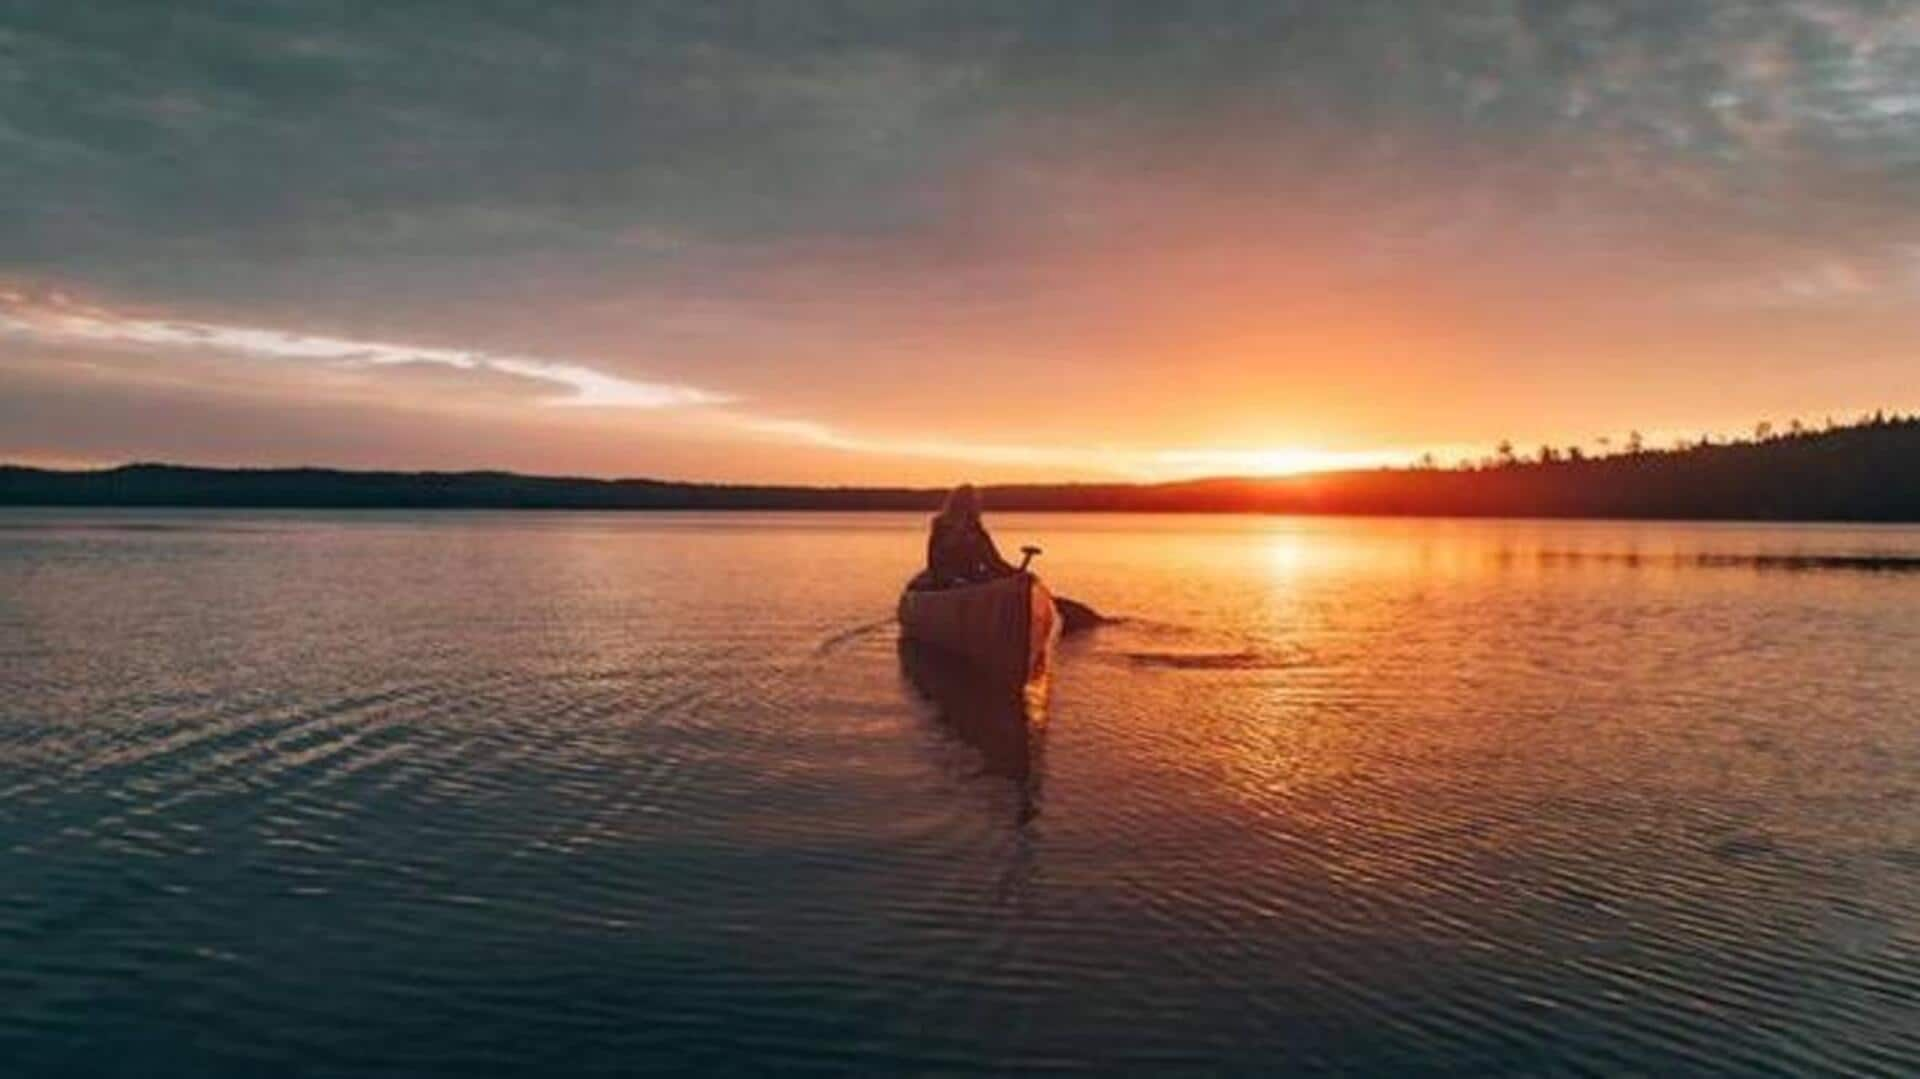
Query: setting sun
[1270,462]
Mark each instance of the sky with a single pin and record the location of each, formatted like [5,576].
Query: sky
[919,242]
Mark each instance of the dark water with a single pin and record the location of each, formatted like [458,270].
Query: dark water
[472,794]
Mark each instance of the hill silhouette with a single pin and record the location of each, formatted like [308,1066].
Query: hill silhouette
[1867,471]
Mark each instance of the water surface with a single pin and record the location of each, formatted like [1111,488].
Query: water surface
[474,793]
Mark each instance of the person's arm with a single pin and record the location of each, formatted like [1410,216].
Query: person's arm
[990,554]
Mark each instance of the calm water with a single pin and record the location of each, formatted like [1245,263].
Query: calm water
[536,794]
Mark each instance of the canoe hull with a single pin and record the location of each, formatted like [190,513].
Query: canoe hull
[1004,629]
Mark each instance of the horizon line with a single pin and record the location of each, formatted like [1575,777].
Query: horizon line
[1503,459]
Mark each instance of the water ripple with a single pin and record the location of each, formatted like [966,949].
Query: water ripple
[501,794]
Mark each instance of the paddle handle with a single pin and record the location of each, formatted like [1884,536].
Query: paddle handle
[1027,554]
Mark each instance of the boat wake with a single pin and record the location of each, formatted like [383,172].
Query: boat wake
[1174,646]
[836,641]
[1246,659]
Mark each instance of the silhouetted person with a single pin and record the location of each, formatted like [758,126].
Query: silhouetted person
[958,547]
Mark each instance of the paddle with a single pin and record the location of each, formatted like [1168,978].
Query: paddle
[1074,615]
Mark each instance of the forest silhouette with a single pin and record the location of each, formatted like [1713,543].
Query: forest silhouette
[1861,471]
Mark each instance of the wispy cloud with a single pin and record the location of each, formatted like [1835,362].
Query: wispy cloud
[55,317]
[1130,462]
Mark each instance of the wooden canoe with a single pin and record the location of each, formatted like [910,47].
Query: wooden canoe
[1004,628]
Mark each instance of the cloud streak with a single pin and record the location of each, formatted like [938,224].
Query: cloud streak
[55,318]
[1132,462]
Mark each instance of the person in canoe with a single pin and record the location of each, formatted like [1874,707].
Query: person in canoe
[959,551]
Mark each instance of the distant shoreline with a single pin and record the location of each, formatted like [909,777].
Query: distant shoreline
[1867,472]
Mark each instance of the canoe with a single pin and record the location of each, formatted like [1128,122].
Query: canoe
[1004,629]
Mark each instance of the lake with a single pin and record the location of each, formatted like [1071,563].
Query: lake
[529,794]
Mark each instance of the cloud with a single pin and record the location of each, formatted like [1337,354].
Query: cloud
[1132,462]
[261,420]
[54,317]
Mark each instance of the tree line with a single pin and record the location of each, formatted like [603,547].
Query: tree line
[1867,470]
[1635,444]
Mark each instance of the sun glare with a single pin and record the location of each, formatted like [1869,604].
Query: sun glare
[1273,461]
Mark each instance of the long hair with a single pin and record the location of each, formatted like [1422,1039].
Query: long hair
[963,504]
